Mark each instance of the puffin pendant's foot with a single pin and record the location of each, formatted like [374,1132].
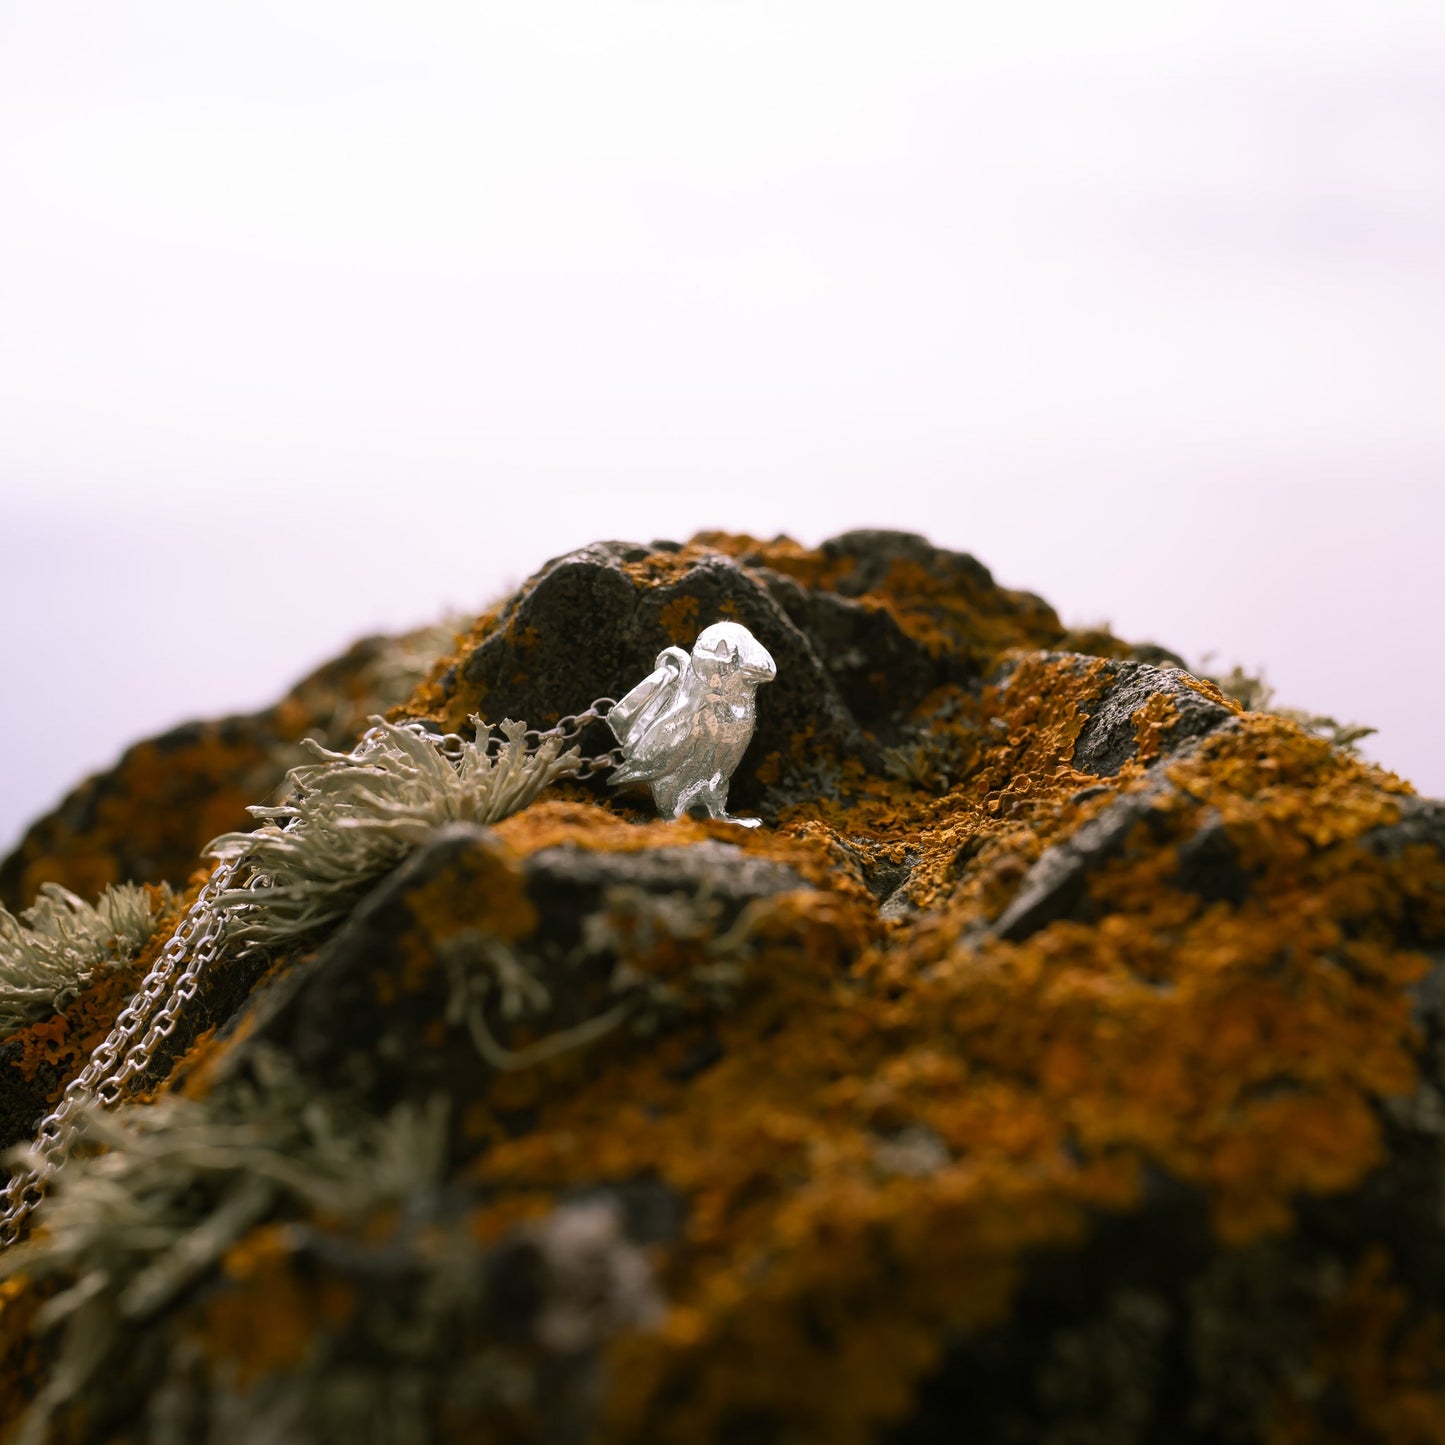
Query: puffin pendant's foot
[702,813]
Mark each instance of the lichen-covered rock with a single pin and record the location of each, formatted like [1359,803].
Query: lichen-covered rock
[1064,1062]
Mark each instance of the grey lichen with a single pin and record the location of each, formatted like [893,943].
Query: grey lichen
[351,817]
[62,944]
[447,1342]
[487,976]
[137,1233]
[484,972]
[157,1193]
[634,923]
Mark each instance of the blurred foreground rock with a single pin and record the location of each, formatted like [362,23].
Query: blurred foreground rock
[1063,1062]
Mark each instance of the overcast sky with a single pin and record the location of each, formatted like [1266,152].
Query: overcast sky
[317,318]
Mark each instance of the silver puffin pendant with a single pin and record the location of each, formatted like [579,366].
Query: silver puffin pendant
[685,727]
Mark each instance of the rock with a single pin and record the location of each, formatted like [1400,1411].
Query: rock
[1064,1062]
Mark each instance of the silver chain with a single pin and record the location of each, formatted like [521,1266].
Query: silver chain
[568,729]
[154,1010]
[127,1050]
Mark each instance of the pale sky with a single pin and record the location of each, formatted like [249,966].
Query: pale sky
[317,318]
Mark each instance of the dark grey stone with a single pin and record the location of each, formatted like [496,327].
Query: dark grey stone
[1108,741]
[1056,885]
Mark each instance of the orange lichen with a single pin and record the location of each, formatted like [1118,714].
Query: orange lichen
[945,611]
[679,620]
[266,1317]
[21,1353]
[950,608]
[84,868]
[549,823]
[657,569]
[782,554]
[1152,723]
[432,693]
[811,853]
[481,885]
[1211,690]
[770,770]
[481,891]
[1386,1354]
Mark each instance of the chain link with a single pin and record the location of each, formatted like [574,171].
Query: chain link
[567,729]
[589,767]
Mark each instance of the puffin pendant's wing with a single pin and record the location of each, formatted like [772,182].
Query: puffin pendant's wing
[648,721]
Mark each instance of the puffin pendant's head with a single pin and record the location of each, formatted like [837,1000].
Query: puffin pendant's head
[728,652]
